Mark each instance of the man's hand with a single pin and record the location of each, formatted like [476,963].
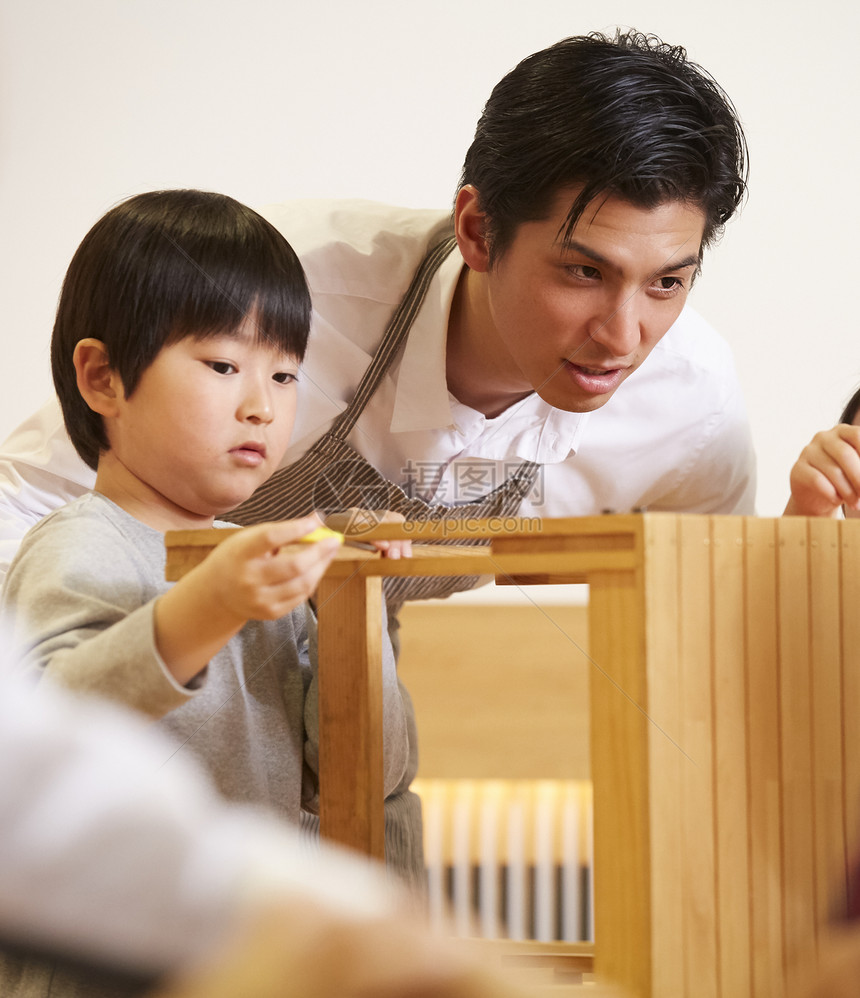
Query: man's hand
[355,520]
[826,476]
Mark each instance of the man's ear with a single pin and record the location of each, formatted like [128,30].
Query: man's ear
[100,386]
[469,228]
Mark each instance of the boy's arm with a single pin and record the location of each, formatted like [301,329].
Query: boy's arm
[79,602]
[39,471]
[80,598]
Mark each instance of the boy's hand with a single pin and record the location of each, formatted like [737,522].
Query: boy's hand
[254,577]
[248,576]
[826,476]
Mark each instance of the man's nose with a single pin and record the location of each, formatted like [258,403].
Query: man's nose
[618,328]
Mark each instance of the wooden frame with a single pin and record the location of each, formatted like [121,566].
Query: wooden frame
[725,757]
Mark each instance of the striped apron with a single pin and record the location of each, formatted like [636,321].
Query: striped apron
[332,476]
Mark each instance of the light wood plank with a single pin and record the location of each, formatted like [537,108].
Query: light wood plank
[765,793]
[667,756]
[586,527]
[730,711]
[698,855]
[431,560]
[826,680]
[799,890]
[350,713]
[620,767]
[850,602]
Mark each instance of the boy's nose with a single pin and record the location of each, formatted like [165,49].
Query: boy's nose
[257,407]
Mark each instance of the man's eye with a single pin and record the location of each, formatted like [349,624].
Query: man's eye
[585,272]
[670,283]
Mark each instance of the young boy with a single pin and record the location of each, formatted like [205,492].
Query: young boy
[181,325]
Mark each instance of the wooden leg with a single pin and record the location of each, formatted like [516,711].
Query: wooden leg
[619,763]
[350,722]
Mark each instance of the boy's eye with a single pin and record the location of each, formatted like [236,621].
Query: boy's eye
[221,366]
[284,377]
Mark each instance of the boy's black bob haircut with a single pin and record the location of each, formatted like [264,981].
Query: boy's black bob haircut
[627,116]
[166,265]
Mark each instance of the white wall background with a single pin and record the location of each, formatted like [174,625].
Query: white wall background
[265,100]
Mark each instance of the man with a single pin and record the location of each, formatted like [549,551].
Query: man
[545,362]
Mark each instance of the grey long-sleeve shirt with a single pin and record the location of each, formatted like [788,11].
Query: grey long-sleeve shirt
[80,598]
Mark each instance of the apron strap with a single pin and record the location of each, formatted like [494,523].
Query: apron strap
[394,335]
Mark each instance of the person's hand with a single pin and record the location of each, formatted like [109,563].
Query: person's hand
[356,520]
[313,952]
[826,476]
[258,573]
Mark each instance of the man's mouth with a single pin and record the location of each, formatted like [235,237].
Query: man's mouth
[597,371]
[594,380]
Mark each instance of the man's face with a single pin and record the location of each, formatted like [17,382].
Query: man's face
[575,321]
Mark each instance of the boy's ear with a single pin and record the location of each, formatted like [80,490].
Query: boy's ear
[469,229]
[100,386]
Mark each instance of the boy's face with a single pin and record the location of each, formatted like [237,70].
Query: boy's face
[208,422]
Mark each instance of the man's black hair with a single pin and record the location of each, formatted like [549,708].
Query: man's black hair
[628,117]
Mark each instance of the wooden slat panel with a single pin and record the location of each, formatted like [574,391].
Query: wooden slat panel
[522,670]
[665,736]
[796,731]
[730,756]
[765,794]
[699,849]
[826,678]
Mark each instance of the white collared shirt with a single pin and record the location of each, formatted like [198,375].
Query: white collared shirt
[675,435]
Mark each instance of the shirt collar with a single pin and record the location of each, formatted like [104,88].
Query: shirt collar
[532,429]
